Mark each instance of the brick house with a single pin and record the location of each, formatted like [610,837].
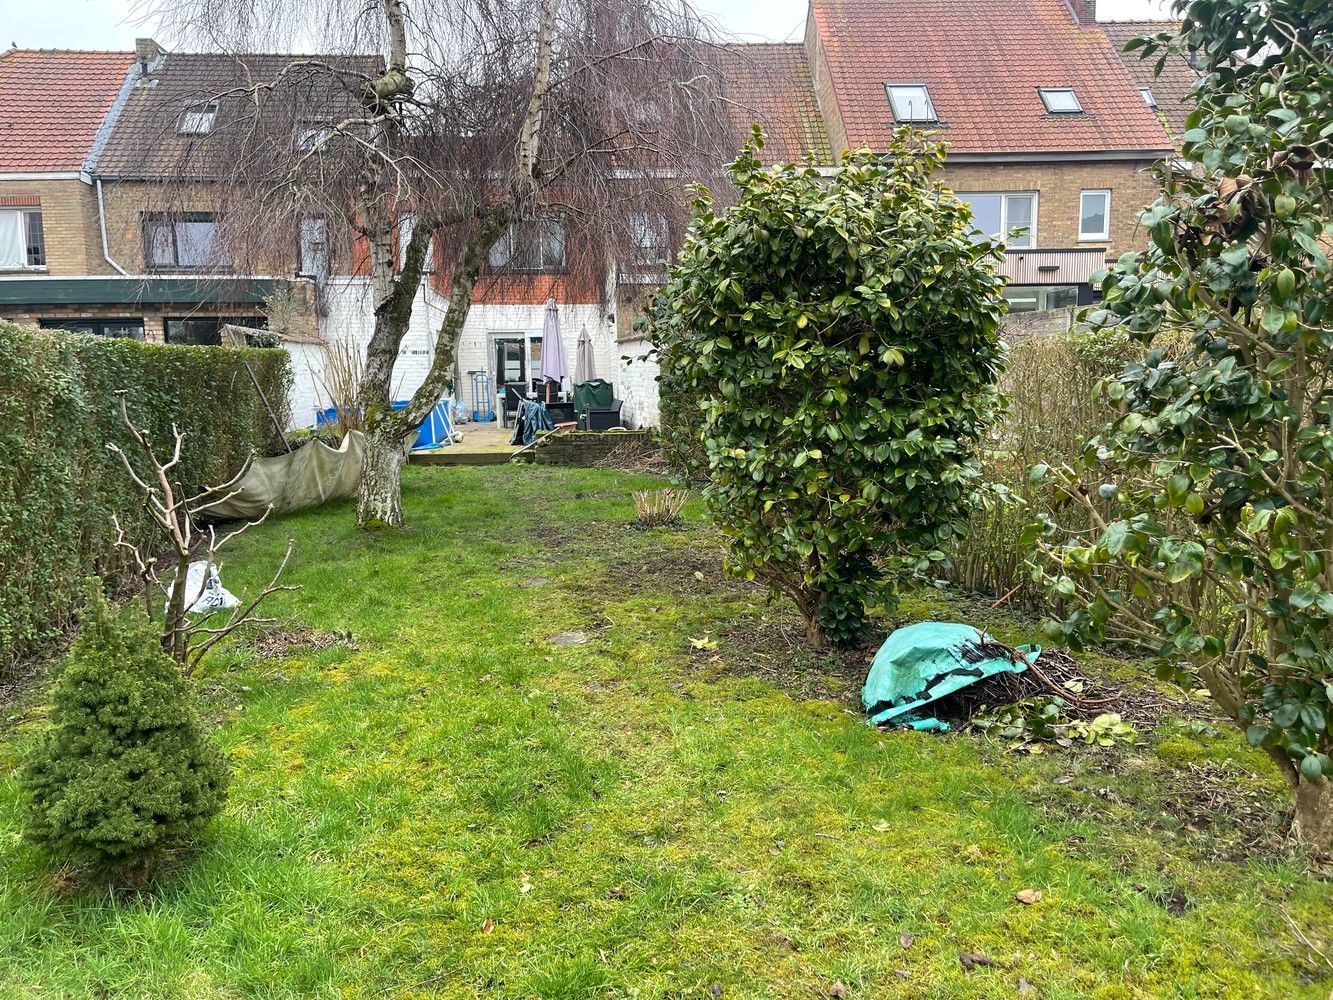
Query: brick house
[53,110]
[1045,128]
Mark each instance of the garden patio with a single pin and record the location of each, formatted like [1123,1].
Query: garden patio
[674,798]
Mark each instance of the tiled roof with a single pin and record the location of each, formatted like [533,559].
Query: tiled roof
[145,141]
[983,61]
[1176,79]
[770,84]
[52,102]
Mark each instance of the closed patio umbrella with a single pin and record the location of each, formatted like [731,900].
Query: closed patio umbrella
[553,349]
[585,366]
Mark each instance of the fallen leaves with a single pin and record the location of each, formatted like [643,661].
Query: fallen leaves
[704,643]
[1028,896]
[838,990]
[907,939]
[487,925]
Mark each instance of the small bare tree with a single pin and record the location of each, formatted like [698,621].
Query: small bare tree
[174,513]
[479,121]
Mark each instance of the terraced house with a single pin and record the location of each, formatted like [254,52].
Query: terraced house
[1050,138]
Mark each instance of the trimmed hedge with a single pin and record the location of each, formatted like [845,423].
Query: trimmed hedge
[59,485]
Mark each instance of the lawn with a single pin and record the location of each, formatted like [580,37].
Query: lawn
[433,799]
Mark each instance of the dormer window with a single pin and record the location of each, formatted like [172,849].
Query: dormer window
[197,119]
[1148,98]
[1060,100]
[911,103]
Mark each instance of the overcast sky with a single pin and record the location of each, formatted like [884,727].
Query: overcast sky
[105,24]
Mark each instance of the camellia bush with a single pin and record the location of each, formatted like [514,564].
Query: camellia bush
[1211,494]
[829,348]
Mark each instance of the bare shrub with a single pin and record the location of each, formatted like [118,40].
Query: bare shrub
[654,508]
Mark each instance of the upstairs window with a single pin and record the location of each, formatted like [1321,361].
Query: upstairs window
[1012,217]
[22,241]
[1094,214]
[406,224]
[313,242]
[536,246]
[652,237]
[911,103]
[1060,100]
[184,240]
[1148,96]
[197,119]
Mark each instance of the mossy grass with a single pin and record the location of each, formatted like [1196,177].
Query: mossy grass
[445,804]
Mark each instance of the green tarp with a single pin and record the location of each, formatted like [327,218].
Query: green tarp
[922,663]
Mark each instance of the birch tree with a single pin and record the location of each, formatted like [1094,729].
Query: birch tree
[478,117]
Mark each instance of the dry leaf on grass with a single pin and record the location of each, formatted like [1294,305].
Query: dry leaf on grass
[1027,896]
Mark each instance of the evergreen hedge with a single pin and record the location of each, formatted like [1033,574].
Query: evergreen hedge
[58,484]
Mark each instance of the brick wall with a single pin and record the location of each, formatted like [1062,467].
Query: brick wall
[1059,185]
[69,223]
[825,95]
[128,201]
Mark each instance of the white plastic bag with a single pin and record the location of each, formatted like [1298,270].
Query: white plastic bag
[203,589]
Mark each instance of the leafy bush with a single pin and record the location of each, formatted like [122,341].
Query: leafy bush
[1218,475]
[59,485]
[833,343]
[125,772]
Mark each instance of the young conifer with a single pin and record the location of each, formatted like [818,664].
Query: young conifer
[126,770]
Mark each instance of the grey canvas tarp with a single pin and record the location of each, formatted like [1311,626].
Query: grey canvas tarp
[303,478]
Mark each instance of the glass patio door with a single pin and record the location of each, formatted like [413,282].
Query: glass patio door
[511,360]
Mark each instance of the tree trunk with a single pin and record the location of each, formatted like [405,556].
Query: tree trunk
[380,501]
[1314,814]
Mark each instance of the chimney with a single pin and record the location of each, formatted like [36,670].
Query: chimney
[1085,11]
[148,53]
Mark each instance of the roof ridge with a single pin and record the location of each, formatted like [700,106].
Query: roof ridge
[15,50]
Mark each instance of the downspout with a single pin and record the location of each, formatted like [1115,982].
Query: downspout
[101,222]
[133,75]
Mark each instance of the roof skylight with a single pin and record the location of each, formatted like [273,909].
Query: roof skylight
[1060,100]
[911,102]
[1148,97]
[197,119]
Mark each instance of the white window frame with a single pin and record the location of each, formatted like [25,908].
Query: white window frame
[25,215]
[312,246]
[536,232]
[929,116]
[1105,234]
[1049,93]
[1149,98]
[1005,227]
[198,118]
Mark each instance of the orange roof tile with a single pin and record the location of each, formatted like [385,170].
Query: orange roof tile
[52,102]
[983,61]
[1169,88]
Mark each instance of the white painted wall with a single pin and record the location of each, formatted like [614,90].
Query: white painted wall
[350,317]
[636,383]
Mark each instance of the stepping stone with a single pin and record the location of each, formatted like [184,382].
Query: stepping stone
[568,639]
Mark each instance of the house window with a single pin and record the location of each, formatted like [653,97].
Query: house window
[183,240]
[533,247]
[197,119]
[1036,298]
[652,237]
[131,329]
[998,214]
[1060,100]
[22,242]
[1148,97]
[313,241]
[206,331]
[1094,212]
[911,102]
[405,226]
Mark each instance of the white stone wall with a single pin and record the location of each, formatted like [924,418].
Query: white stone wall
[636,383]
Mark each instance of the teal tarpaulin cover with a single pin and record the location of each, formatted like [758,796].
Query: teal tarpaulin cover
[924,662]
